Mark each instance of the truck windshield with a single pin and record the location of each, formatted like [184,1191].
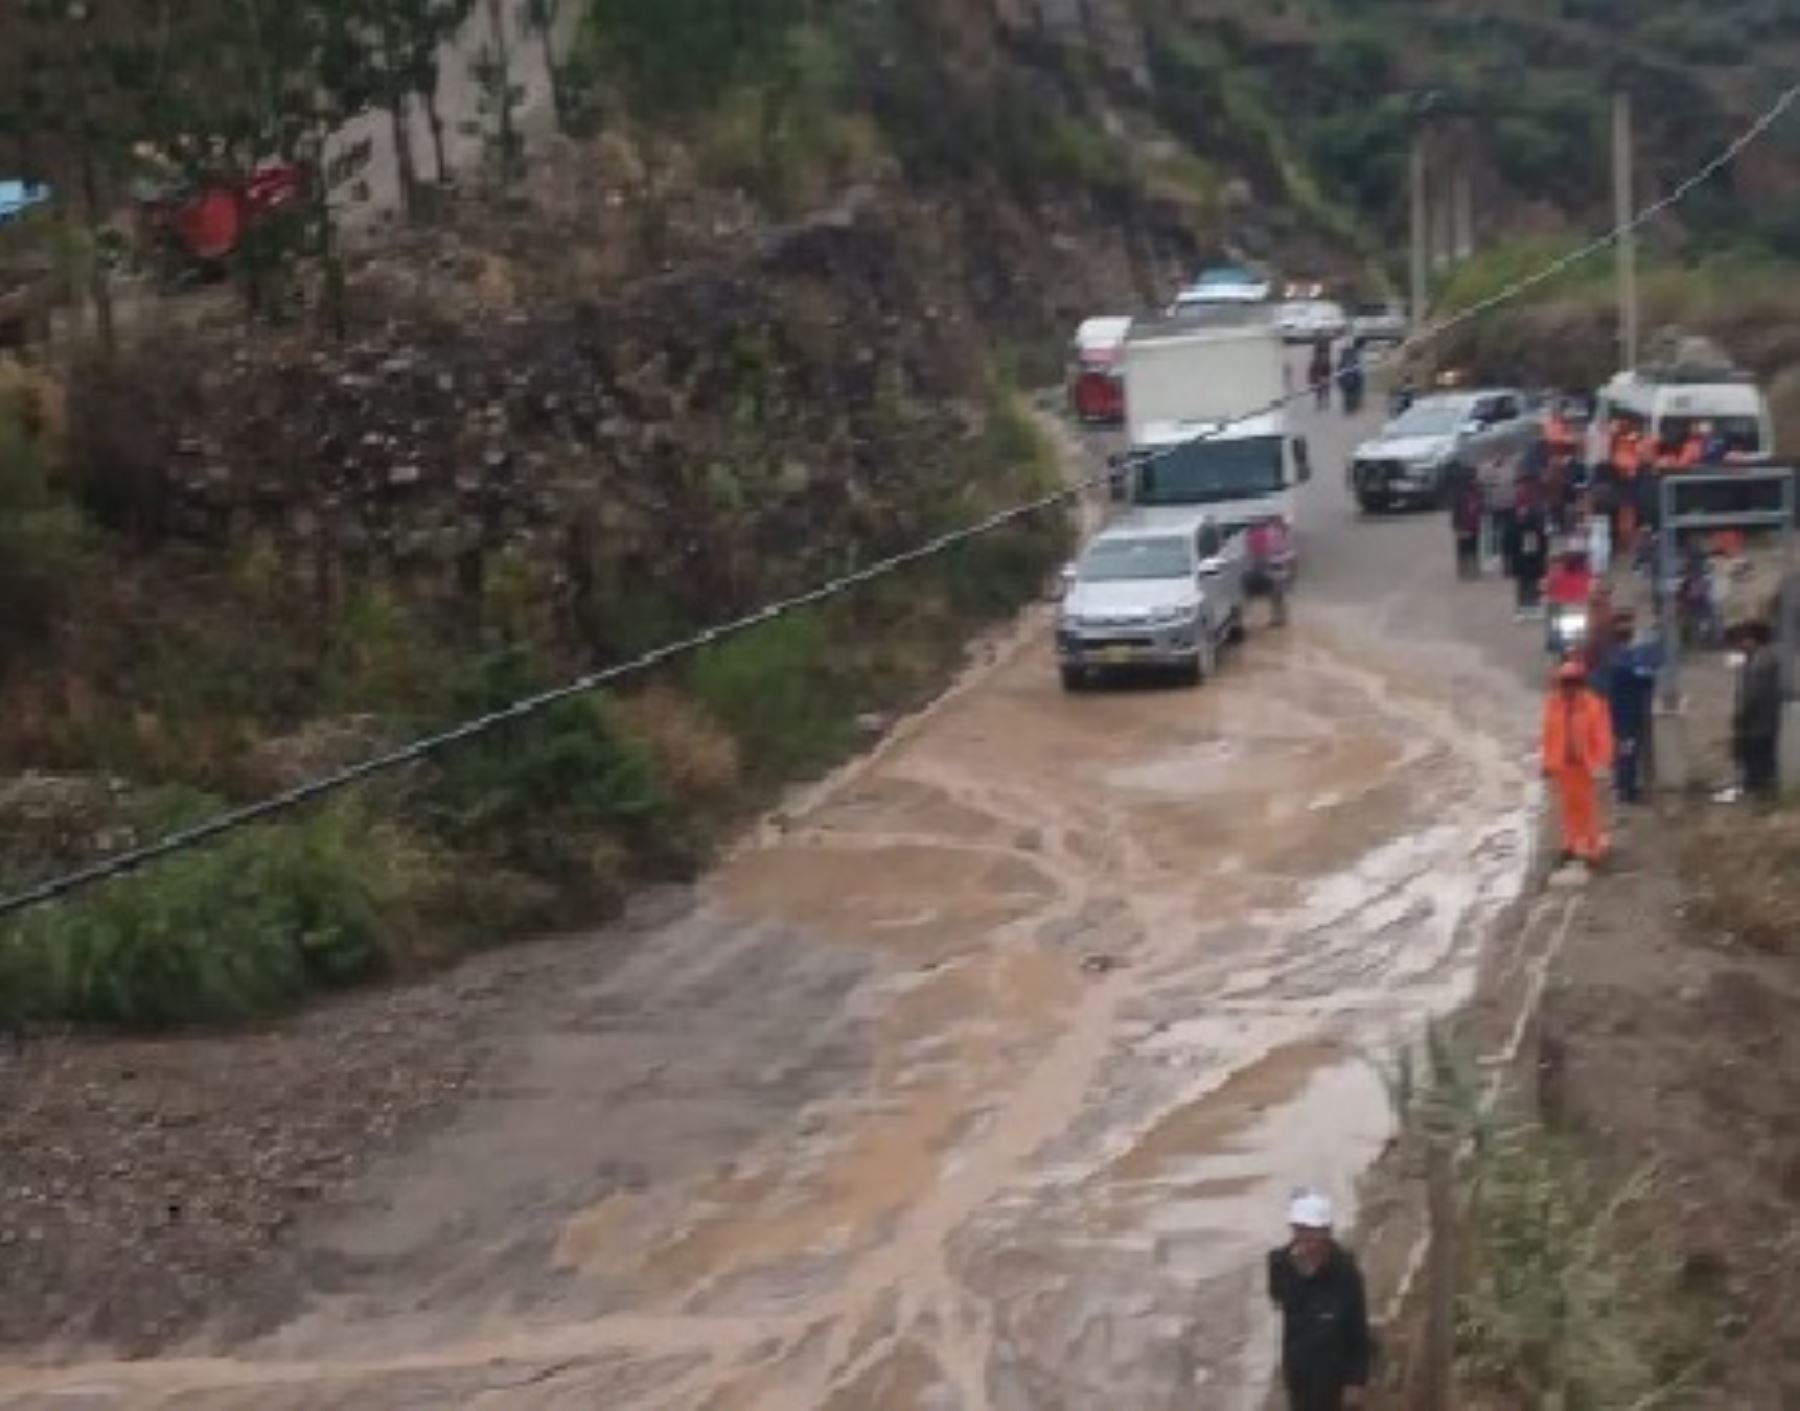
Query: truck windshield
[1123,560]
[1208,472]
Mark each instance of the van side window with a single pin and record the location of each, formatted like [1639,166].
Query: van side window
[1208,544]
[1506,408]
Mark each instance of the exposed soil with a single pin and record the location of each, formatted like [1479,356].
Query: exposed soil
[140,1180]
[1671,1023]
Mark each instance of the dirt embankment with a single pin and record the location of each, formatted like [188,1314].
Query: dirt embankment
[1627,1210]
[1673,1026]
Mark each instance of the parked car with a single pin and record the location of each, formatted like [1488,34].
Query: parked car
[1422,451]
[1308,320]
[1379,323]
[1226,284]
[1153,591]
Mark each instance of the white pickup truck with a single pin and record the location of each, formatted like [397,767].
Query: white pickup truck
[1152,593]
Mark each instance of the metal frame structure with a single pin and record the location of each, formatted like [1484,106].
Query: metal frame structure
[1692,503]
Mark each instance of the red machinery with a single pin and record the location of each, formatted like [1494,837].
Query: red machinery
[197,226]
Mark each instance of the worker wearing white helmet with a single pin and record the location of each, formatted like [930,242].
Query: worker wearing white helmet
[1325,1342]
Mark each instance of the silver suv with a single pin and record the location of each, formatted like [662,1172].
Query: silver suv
[1152,593]
[1421,453]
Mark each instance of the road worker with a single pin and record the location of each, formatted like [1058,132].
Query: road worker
[1626,455]
[1577,747]
[1692,453]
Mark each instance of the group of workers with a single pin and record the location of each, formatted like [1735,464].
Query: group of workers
[1598,713]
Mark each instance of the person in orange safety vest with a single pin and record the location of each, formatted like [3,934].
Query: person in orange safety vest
[1627,449]
[1577,747]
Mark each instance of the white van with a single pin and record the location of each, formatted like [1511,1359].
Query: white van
[1664,403]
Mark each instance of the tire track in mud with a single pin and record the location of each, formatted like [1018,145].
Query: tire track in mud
[1123,957]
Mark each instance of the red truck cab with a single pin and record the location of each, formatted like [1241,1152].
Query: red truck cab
[1096,377]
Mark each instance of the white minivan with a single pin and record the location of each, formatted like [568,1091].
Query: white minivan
[1665,404]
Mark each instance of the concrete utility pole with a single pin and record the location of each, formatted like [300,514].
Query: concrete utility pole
[1421,227]
[1443,209]
[1462,196]
[1624,209]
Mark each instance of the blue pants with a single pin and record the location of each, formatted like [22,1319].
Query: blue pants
[1628,754]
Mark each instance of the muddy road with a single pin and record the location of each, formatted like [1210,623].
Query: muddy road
[978,1081]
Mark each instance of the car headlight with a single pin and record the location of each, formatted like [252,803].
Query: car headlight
[1175,616]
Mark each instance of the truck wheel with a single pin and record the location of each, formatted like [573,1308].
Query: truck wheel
[1074,679]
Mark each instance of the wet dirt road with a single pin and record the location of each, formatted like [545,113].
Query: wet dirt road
[978,1083]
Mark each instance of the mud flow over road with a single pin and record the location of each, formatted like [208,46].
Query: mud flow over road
[978,1085]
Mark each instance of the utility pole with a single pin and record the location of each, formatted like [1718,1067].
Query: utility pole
[1443,209]
[1462,196]
[1624,210]
[1421,226]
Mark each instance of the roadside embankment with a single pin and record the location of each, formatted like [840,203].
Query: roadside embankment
[1627,1171]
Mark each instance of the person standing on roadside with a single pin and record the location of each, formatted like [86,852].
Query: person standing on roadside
[1351,378]
[1326,1348]
[1626,455]
[1271,563]
[1529,550]
[1630,698]
[1577,746]
[1466,510]
[1756,722]
[1318,373]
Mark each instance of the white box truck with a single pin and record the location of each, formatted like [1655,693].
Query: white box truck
[1208,423]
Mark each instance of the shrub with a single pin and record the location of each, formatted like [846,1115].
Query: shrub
[774,689]
[230,932]
[40,542]
[539,793]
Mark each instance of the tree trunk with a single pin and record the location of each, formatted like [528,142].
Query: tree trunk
[435,118]
[405,167]
[335,295]
[503,90]
[559,100]
[99,286]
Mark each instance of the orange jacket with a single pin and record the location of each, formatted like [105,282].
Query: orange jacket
[1691,454]
[1577,732]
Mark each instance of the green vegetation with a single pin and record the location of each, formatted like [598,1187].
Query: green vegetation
[237,931]
[1569,1290]
[230,689]
[40,543]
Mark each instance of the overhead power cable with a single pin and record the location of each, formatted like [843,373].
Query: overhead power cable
[230,820]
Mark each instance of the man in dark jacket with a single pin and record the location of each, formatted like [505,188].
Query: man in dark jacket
[1756,723]
[1630,692]
[1325,1343]
[1529,550]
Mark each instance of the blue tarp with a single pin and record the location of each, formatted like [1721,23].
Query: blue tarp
[17,196]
